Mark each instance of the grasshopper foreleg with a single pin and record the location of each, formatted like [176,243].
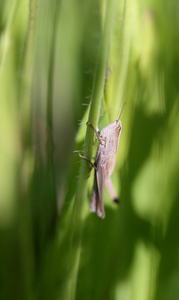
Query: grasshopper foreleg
[96,132]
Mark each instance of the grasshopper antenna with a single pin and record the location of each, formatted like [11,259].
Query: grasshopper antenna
[121,108]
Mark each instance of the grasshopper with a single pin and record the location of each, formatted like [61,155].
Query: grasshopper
[105,162]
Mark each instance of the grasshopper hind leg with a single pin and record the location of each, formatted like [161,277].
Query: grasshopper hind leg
[111,190]
[100,182]
[93,202]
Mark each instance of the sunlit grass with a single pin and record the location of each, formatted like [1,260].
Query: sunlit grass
[54,57]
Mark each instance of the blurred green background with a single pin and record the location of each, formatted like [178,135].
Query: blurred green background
[49,62]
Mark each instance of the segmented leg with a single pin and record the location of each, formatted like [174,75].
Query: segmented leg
[100,182]
[100,139]
[111,190]
[96,132]
[84,157]
[93,199]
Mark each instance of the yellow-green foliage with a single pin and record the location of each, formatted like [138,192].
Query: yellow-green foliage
[63,63]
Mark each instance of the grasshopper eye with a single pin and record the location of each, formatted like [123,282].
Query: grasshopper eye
[119,127]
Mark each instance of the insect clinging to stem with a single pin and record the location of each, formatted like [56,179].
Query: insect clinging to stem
[105,162]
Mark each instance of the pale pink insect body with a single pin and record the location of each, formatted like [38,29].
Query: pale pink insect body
[105,163]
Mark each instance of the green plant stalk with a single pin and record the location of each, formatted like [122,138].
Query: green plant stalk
[25,87]
[82,186]
[15,154]
[49,108]
[27,156]
[123,61]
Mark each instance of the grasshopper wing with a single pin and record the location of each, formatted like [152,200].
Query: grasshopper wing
[98,192]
